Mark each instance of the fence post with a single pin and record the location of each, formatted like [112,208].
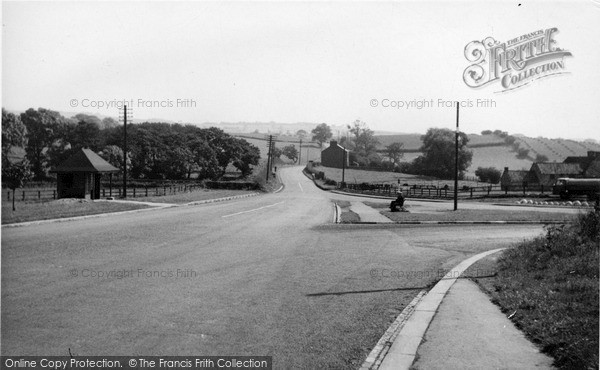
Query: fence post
[146,190]
[119,192]
[165,190]
[134,191]
[23,195]
[471,192]
[9,195]
[39,194]
[542,188]
[53,194]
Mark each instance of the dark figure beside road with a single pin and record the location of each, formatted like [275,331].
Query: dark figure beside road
[398,204]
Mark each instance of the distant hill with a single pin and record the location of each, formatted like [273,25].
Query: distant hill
[492,151]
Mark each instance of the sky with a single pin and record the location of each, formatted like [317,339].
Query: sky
[286,62]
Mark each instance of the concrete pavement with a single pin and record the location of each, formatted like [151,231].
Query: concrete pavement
[470,332]
[368,214]
[456,326]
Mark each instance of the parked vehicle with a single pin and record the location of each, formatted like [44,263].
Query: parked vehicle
[567,187]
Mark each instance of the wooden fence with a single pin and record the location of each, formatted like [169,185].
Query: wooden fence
[444,192]
[132,192]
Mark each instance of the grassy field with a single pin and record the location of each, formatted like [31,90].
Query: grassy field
[45,210]
[359,176]
[549,287]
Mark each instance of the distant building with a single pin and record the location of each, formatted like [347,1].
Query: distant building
[512,178]
[79,176]
[546,173]
[333,156]
[590,164]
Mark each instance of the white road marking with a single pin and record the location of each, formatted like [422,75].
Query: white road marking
[252,210]
[301,187]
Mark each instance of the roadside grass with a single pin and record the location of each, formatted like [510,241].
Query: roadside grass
[347,216]
[471,215]
[549,287]
[193,196]
[45,210]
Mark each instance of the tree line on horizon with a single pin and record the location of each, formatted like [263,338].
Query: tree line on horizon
[155,150]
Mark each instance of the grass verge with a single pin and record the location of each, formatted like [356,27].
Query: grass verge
[46,210]
[549,288]
[475,215]
[193,196]
[347,216]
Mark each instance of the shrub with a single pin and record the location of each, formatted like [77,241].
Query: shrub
[488,174]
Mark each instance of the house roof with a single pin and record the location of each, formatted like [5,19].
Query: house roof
[85,160]
[574,159]
[515,175]
[335,146]
[593,169]
[552,168]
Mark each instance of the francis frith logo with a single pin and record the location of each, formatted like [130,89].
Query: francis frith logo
[516,62]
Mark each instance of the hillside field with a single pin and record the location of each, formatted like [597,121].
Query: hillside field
[488,150]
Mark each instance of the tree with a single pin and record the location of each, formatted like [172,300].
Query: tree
[291,152]
[541,158]
[488,174]
[205,159]
[14,175]
[42,126]
[113,154]
[302,134]
[15,169]
[276,152]
[364,143]
[248,156]
[394,151]
[522,153]
[321,133]
[438,154]
[13,133]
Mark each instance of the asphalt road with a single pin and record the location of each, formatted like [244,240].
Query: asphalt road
[268,275]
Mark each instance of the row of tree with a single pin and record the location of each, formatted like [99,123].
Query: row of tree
[437,158]
[155,150]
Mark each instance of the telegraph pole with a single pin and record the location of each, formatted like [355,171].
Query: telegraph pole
[269,156]
[300,153]
[456,161]
[344,167]
[124,151]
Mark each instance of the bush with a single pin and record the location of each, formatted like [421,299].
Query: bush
[486,132]
[488,174]
[522,153]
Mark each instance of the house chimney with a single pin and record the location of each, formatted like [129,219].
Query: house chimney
[505,169]
[333,143]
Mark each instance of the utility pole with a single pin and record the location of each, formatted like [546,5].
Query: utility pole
[456,162]
[300,153]
[344,167]
[124,151]
[269,156]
